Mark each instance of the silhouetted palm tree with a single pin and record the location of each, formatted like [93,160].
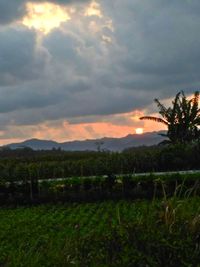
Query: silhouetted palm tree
[182,119]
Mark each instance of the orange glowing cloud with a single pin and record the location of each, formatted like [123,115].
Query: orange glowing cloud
[81,131]
[117,125]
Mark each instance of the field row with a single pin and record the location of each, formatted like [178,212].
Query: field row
[100,188]
[124,233]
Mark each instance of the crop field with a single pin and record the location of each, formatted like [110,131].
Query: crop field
[122,233]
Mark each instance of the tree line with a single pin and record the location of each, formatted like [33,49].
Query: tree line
[51,164]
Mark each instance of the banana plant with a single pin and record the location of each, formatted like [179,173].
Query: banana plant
[182,119]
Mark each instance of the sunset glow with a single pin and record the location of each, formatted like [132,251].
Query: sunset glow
[117,125]
[44,17]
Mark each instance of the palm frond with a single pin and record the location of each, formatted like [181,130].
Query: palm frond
[162,108]
[175,110]
[154,119]
[195,106]
[182,119]
[195,99]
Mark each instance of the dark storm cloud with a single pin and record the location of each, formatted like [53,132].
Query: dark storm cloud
[154,52]
[19,59]
[11,10]
[27,96]
[55,41]
[162,47]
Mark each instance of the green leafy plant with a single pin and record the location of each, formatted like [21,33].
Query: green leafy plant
[182,119]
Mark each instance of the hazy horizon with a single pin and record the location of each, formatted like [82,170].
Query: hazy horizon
[72,140]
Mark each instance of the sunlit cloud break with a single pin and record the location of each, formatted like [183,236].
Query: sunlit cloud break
[94,9]
[45,16]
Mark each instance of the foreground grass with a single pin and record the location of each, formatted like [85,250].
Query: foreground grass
[158,233]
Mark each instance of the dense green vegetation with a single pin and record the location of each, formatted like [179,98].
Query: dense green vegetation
[102,213]
[100,188]
[26,164]
[124,233]
[28,167]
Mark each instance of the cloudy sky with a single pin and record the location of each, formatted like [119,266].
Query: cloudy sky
[77,69]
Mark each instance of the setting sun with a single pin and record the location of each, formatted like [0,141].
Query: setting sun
[139,130]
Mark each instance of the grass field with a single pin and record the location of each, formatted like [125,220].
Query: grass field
[123,233]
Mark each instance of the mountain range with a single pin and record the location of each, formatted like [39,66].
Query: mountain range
[106,143]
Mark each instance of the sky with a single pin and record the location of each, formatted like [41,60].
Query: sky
[81,69]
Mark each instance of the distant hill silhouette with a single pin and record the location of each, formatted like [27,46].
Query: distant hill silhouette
[106,143]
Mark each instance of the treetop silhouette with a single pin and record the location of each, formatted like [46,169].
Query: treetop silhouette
[182,119]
